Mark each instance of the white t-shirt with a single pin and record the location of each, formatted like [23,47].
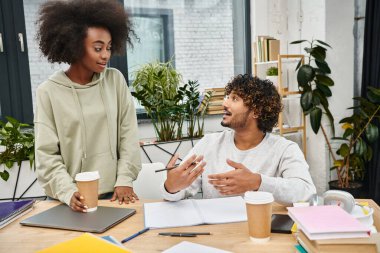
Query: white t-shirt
[281,163]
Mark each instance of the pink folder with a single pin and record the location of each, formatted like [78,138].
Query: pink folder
[327,222]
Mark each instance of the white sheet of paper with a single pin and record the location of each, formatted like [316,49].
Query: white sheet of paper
[222,210]
[171,214]
[189,247]
[193,212]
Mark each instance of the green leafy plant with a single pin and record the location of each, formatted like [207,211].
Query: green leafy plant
[195,106]
[314,83]
[272,71]
[156,87]
[355,150]
[18,145]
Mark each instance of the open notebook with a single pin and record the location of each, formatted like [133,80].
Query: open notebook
[192,212]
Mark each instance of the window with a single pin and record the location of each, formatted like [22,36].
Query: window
[155,41]
[208,40]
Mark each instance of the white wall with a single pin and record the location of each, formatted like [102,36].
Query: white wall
[327,20]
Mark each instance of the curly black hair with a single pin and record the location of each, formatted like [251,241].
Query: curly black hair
[258,95]
[62,27]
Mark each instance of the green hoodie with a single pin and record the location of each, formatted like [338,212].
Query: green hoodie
[80,128]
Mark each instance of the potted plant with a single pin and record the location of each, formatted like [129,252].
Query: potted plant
[168,104]
[18,145]
[156,87]
[16,160]
[272,75]
[314,83]
[359,131]
[194,108]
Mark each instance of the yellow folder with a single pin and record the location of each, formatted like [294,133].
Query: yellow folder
[86,243]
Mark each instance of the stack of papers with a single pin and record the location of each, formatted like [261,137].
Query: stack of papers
[11,210]
[367,245]
[327,222]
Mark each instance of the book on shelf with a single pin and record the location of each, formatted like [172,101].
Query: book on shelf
[215,108]
[367,245]
[215,112]
[191,212]
[273,49]
[327,222]
[216,91]
[216,99]
[12,210]
[265,48]
[216,103]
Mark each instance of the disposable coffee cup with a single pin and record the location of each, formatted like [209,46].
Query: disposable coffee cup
[259,213]
[87,183]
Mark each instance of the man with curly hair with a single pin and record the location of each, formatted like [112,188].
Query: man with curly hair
[248,158]
[85,118]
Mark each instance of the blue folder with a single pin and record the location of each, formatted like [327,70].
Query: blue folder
[11,210]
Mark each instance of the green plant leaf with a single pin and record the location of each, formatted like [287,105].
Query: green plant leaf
[372,133]
[325,80]
[4,175]
[373,95]
[323,43]
[299,64]
[9,163]
[324,89]
[369,154]
[297,41]
[323,66]
[315,119]
[343,150]
[319,53]
[306,100]
[347,120]
[308,50]
[348,132]
[305,75]
[329,115]
[360,147]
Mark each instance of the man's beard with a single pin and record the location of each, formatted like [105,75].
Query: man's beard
[238,121]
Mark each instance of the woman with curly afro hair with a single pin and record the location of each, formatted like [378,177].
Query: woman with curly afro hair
[248,157]
[85,118]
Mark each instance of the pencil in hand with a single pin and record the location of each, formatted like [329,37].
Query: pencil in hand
[167,168]
[175,166]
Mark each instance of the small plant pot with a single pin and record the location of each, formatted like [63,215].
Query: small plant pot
[355,188]
[273,79]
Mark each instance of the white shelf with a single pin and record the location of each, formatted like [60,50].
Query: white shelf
[275,62]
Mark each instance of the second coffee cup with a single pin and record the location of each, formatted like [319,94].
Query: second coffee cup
[87,183]
[259,213]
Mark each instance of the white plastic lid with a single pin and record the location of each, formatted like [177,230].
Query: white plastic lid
[258,198]
[87,176]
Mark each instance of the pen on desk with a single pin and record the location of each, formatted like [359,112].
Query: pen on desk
[134,235]
[191,234]
[178,234]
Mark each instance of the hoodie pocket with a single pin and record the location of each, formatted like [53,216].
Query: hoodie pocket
[107,168]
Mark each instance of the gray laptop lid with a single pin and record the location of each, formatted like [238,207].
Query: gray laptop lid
[63,217]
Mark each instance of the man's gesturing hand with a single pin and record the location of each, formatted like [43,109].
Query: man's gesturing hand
[235,181]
